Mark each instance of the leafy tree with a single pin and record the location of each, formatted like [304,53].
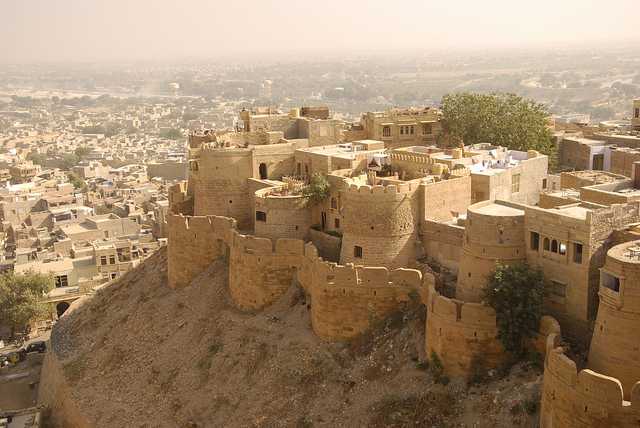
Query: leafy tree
[82,151]
[78,183]
[171,134]
[37,158]
[69,160]
[317,190]
[515,292]
[21,298]
[500,119]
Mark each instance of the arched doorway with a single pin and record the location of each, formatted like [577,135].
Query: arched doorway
[61,308]
[263,171]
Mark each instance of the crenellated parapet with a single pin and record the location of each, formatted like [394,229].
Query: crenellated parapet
[346,300]
[380,224]
[464,334]
[585,398]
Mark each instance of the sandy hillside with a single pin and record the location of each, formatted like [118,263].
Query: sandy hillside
[139,354]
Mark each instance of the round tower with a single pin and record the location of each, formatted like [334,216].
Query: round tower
[615,346]
[220,186]
[380,225]
[281,215]
[494,233]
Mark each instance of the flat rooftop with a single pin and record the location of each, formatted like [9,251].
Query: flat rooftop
[495,209]
[574,211]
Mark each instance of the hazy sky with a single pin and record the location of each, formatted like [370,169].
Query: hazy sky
[170,29]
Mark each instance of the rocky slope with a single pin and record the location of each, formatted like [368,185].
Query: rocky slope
[139,354]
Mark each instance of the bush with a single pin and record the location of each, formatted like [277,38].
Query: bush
[515,292]
[317,190]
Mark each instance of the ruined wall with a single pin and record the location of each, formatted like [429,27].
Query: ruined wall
[382,221]
[347,300]
[574,154]
[584,399]
[328,245]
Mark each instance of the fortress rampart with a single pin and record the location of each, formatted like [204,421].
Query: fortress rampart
[345,300]
[380,224]
[463,334]
[585,398]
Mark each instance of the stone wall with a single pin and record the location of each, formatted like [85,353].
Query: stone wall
[442,243]
[328,245]
[347,300]
[194,243]
[281,216]
[382,221]
[460,333]
[442,199]
[258,273]
[585,398]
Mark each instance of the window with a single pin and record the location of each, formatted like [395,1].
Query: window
[261,216]
[535,241]
[609,281]
[427,129]
[386,131]
[411,130]
[515,183]
[336,223]
[114,275]
[544,183]
[557,289]
[562,249]
[103,260]
[334,203]
[193,166]
[554,246]
[545,245]
[637,113]
[577,252]
[357,252]
[61,281]
[402,130]
[112,260]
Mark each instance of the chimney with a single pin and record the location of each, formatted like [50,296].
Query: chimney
[635,174]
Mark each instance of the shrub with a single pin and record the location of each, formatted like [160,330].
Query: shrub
[317,190]
[515,292]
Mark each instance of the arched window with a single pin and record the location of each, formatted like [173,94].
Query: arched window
[554,246]
[545,244]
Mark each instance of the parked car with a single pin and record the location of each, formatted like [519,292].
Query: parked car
[39,346]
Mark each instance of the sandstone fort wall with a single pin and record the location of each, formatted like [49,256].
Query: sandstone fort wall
[382,221]
[585,398]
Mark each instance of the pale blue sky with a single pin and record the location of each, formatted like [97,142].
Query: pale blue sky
[164,29]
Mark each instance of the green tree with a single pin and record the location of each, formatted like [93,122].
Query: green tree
[82,151]
[69,160]
[78,183]
[499,119]
[21,298]
[317,190]
[515,292]
[171,134]
[37,158]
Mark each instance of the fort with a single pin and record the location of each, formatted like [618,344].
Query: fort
[397,220]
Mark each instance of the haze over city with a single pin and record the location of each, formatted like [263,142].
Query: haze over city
[81,30]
